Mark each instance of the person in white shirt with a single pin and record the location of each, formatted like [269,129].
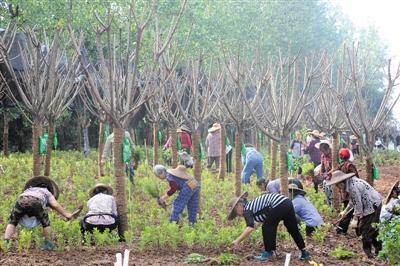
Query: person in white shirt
[102,210]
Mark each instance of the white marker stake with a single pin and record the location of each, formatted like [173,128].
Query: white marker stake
[119,259]
[287,260]
[126,257]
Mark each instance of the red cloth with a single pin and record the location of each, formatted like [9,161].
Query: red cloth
[186,141]
[173,187]
[344,154]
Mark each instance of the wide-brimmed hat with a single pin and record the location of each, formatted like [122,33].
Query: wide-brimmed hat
[38,180]
[353,137]
[232,205]
[215,127]
[389,196]
[180,172]
[315,133]
[294,188]
[323,142]
[109,189]
[337,177]
[182,128]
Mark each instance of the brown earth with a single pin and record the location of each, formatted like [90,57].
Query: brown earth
[106,255]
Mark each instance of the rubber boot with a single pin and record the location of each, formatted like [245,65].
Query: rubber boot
[377,245]
[367,246]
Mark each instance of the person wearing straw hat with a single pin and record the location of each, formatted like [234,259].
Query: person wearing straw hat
[189,191]
[252,161]
[315,154]
[274,186]
[347,167]
[39,192]
[213,144]
[326,166]
[184,136]
[268,209]
[102,210]
[304,209]
[391,209]
[367,204]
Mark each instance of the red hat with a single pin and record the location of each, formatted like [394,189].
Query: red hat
[344,154]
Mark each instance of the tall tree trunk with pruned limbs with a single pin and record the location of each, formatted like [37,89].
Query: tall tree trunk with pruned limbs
[155,144]
[238,161]
[174,149]
[100,150]
[335,164]
[49,149]
[36,131]
[283,167]
[274,155]
[119,173]
[369,169]
[5,136]
[196,156]
[222,161]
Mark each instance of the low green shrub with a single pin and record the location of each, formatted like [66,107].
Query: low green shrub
[389,234]
[342,253]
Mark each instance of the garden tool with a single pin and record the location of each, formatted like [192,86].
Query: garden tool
[77,211]
[344,215]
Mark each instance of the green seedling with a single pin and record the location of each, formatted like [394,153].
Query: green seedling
[342,253]
[195,258]
[228,259]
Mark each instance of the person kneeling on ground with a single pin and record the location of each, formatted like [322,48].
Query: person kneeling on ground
[274,186]
[102,211]
[268,209]
[304,209]
[367,204]
[252,160]
[189,191]
[391,209]
[39,192]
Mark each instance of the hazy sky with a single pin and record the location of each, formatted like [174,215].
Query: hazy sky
[385,15]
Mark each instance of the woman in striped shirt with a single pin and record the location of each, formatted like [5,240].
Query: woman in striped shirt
[268,209]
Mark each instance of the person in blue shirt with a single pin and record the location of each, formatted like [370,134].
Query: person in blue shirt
[252,161]
[304,209]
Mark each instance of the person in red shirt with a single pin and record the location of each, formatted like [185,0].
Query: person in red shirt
[186,140]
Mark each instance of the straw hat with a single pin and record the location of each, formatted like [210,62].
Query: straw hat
[294,188]
[323,142]
[315,133]
[37,180]
[389,196]
[232,205]
[108,188]
[337,177]
[180,172]
[215,127]
[182,128]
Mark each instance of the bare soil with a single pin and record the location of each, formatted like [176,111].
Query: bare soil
[106,255]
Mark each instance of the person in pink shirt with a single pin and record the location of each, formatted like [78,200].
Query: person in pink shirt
[213,144]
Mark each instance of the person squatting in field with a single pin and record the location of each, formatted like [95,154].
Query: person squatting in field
[102,211]
[274,186]
[304,209]
[39,192]
[391,209]
[189,191]
[367,204]
[252,160]
[268,209]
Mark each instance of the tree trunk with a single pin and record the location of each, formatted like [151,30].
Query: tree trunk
[257,139]
[155,144]
[79,140]
[222,161]
[238,161]
[174,150]
[49,150]
[335,164]
[283,167]
[274,155]
[369,169]
[5,136]
[196,156]
[100,150]
[119,172]
[36,131]
[86,145]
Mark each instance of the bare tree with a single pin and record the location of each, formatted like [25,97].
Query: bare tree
[284,89]
[118,75]
[360,118]
[46,84]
